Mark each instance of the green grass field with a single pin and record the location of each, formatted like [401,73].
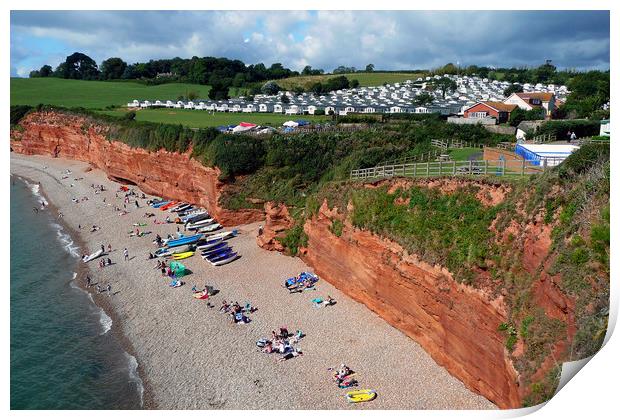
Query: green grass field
[93,94]
[199,119]
[365,79]
[466,153]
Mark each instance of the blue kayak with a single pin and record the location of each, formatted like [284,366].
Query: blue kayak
[159,204]
[184,241]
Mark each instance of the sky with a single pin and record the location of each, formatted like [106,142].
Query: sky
[391,40]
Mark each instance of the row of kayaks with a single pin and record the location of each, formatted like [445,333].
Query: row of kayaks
[212,248]
[194,218]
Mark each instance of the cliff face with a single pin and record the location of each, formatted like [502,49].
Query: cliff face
[277,220]
[169,175]
[455,323]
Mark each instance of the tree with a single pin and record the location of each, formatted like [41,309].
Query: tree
[34,73]
[298,90]
[317,88]
[370,68]
[423,99]
[445,84]
[46,71]
[219,88]
[284,99]
[307,71]
[80,66]
[514,88]
[518,115]
[192,94]
[336,83]
[113,68]
[545,72]
[354,83]
[271,88]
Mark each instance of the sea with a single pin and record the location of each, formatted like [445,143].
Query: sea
[63,352]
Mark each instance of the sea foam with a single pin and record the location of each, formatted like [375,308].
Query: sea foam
[134,377]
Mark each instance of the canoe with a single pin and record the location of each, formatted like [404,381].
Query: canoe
[182,255]
[210,228]
[159,204]
[212,253]
[93,256]
[180,207]
[222,235]
[225,260]
[215,247]
[196,217]
[361,395]
[183,241]
[169,205]
[200,223]
[209,244]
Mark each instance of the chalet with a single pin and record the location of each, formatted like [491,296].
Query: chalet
[265,107]
[498,110]
[277,108]
[189,105]
[531,100]
[395,110]
[134,104]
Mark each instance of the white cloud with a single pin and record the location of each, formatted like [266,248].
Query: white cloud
[323,39]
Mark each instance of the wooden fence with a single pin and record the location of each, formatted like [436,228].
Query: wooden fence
[455,144]
[452,168]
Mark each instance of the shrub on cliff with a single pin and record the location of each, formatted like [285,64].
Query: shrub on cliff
[18,112]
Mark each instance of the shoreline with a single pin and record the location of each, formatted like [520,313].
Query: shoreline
[81,271]
[192,357]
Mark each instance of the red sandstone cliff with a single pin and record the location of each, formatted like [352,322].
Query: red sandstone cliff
[455,323]
[170,175]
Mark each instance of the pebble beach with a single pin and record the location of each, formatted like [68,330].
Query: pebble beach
[191,356]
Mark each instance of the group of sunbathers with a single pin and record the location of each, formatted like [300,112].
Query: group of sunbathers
[282,342]
[238,314]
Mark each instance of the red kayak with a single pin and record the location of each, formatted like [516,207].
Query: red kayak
[169,205]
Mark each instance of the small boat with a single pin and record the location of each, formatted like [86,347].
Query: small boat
[187,211]
[196,217]
[163,252]
[222,235]
[361,395]
[168,206]
[217,246]
[210,228]
[180,207]
[92,256]
[225,260]
[183,241]
[201,224]
[209,244]
[182,255]
[213,253]
[159,204]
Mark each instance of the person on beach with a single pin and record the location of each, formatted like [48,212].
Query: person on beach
[88,280]
[109,288]
[102,248]
[35,210]
[109,248]
[109,261]
[126,254]
[137,205]
[60,215]
[98,289]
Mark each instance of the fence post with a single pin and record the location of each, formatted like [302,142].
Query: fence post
[470,167]
[415,169]
[523,167]
[544,165]
[454,167]
[440,169]
[428,168]
[486,167]
[503,167]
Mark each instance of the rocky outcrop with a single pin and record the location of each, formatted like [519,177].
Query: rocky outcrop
[277,220]
[166,174]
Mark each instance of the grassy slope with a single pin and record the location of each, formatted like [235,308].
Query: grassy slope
[365,79]
[200,119]
[93,94]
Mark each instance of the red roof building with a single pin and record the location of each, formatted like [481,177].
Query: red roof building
[498,110]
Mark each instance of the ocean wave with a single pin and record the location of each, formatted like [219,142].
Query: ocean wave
[36,191]
[66,240]
[134,377]
[104,318]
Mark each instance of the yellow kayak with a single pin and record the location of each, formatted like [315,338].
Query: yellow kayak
[361,395]
[182,255]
